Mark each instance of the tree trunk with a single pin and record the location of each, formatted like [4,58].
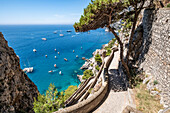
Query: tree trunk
[133,29]
[121,52]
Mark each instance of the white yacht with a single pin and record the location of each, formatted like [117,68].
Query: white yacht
[107,29]
[61,35]
[34,50]
[28,70]
[44,39]
[60,73]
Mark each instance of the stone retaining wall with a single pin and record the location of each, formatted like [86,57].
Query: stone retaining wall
[154,48]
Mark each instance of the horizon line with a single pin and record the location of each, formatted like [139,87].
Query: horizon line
[36,24]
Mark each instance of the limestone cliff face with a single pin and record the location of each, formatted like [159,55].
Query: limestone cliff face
[17,91]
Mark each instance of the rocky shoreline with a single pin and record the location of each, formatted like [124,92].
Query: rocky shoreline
[91,64]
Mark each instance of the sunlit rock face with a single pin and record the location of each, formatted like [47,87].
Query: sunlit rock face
[17,91]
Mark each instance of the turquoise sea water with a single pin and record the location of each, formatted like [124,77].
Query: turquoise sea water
[24,38]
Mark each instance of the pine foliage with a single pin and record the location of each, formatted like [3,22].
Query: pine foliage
[98,13]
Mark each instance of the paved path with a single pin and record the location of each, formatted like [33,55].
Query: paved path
[117,98]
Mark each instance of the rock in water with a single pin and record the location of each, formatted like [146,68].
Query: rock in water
[17,91]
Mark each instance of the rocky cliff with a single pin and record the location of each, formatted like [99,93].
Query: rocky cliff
[17,91]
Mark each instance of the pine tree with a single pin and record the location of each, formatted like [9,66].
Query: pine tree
[103,13]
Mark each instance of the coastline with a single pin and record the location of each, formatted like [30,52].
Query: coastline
[88,62]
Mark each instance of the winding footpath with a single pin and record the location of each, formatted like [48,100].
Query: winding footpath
[118,97]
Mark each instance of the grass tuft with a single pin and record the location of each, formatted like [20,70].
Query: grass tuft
[146,102]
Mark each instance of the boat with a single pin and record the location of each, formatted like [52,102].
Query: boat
[77,33]
[60,73]
[18,56]
[73,51]
[50,71]
[55,49]
[77,56]
[44,39]
[45,55]
[61,35]
[28,70]
[65,59]
[34,50]
[58,52]
[55,32]
[55,65]
[81,47]
[55,56]
[107,29]
[69,31]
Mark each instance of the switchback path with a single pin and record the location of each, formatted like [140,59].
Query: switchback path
[117,98]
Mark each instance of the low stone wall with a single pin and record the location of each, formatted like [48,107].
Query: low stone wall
[89,104]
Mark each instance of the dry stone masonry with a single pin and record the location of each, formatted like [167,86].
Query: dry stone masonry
[17,91]
[152,49]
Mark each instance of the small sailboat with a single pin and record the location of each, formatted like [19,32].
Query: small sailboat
[60,73]
[34,50]
[58,52]
[61,34]
[77,56]
[44,39]
[55,65]
[28,70]
[55,57]
[73,51]
[46,56]
[107,29]
[65,59]
[55,49]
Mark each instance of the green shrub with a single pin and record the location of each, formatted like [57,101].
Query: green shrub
[91,65]
[110,44]
[69,91]
[168,5]
[87,74]
[155,82]
[97,68]
[98,58]
[50,102]
[108,51]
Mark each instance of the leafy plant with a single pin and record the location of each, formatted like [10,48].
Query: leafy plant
[97,68]
[168,5]
[50,102]
[108,51]
[91,65]
[69,91]
[87,74]
[98,58]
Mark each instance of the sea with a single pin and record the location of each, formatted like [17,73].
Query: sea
[24,38]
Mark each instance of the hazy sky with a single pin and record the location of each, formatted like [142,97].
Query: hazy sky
[41,11]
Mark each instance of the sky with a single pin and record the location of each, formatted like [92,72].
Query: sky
[41,11]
